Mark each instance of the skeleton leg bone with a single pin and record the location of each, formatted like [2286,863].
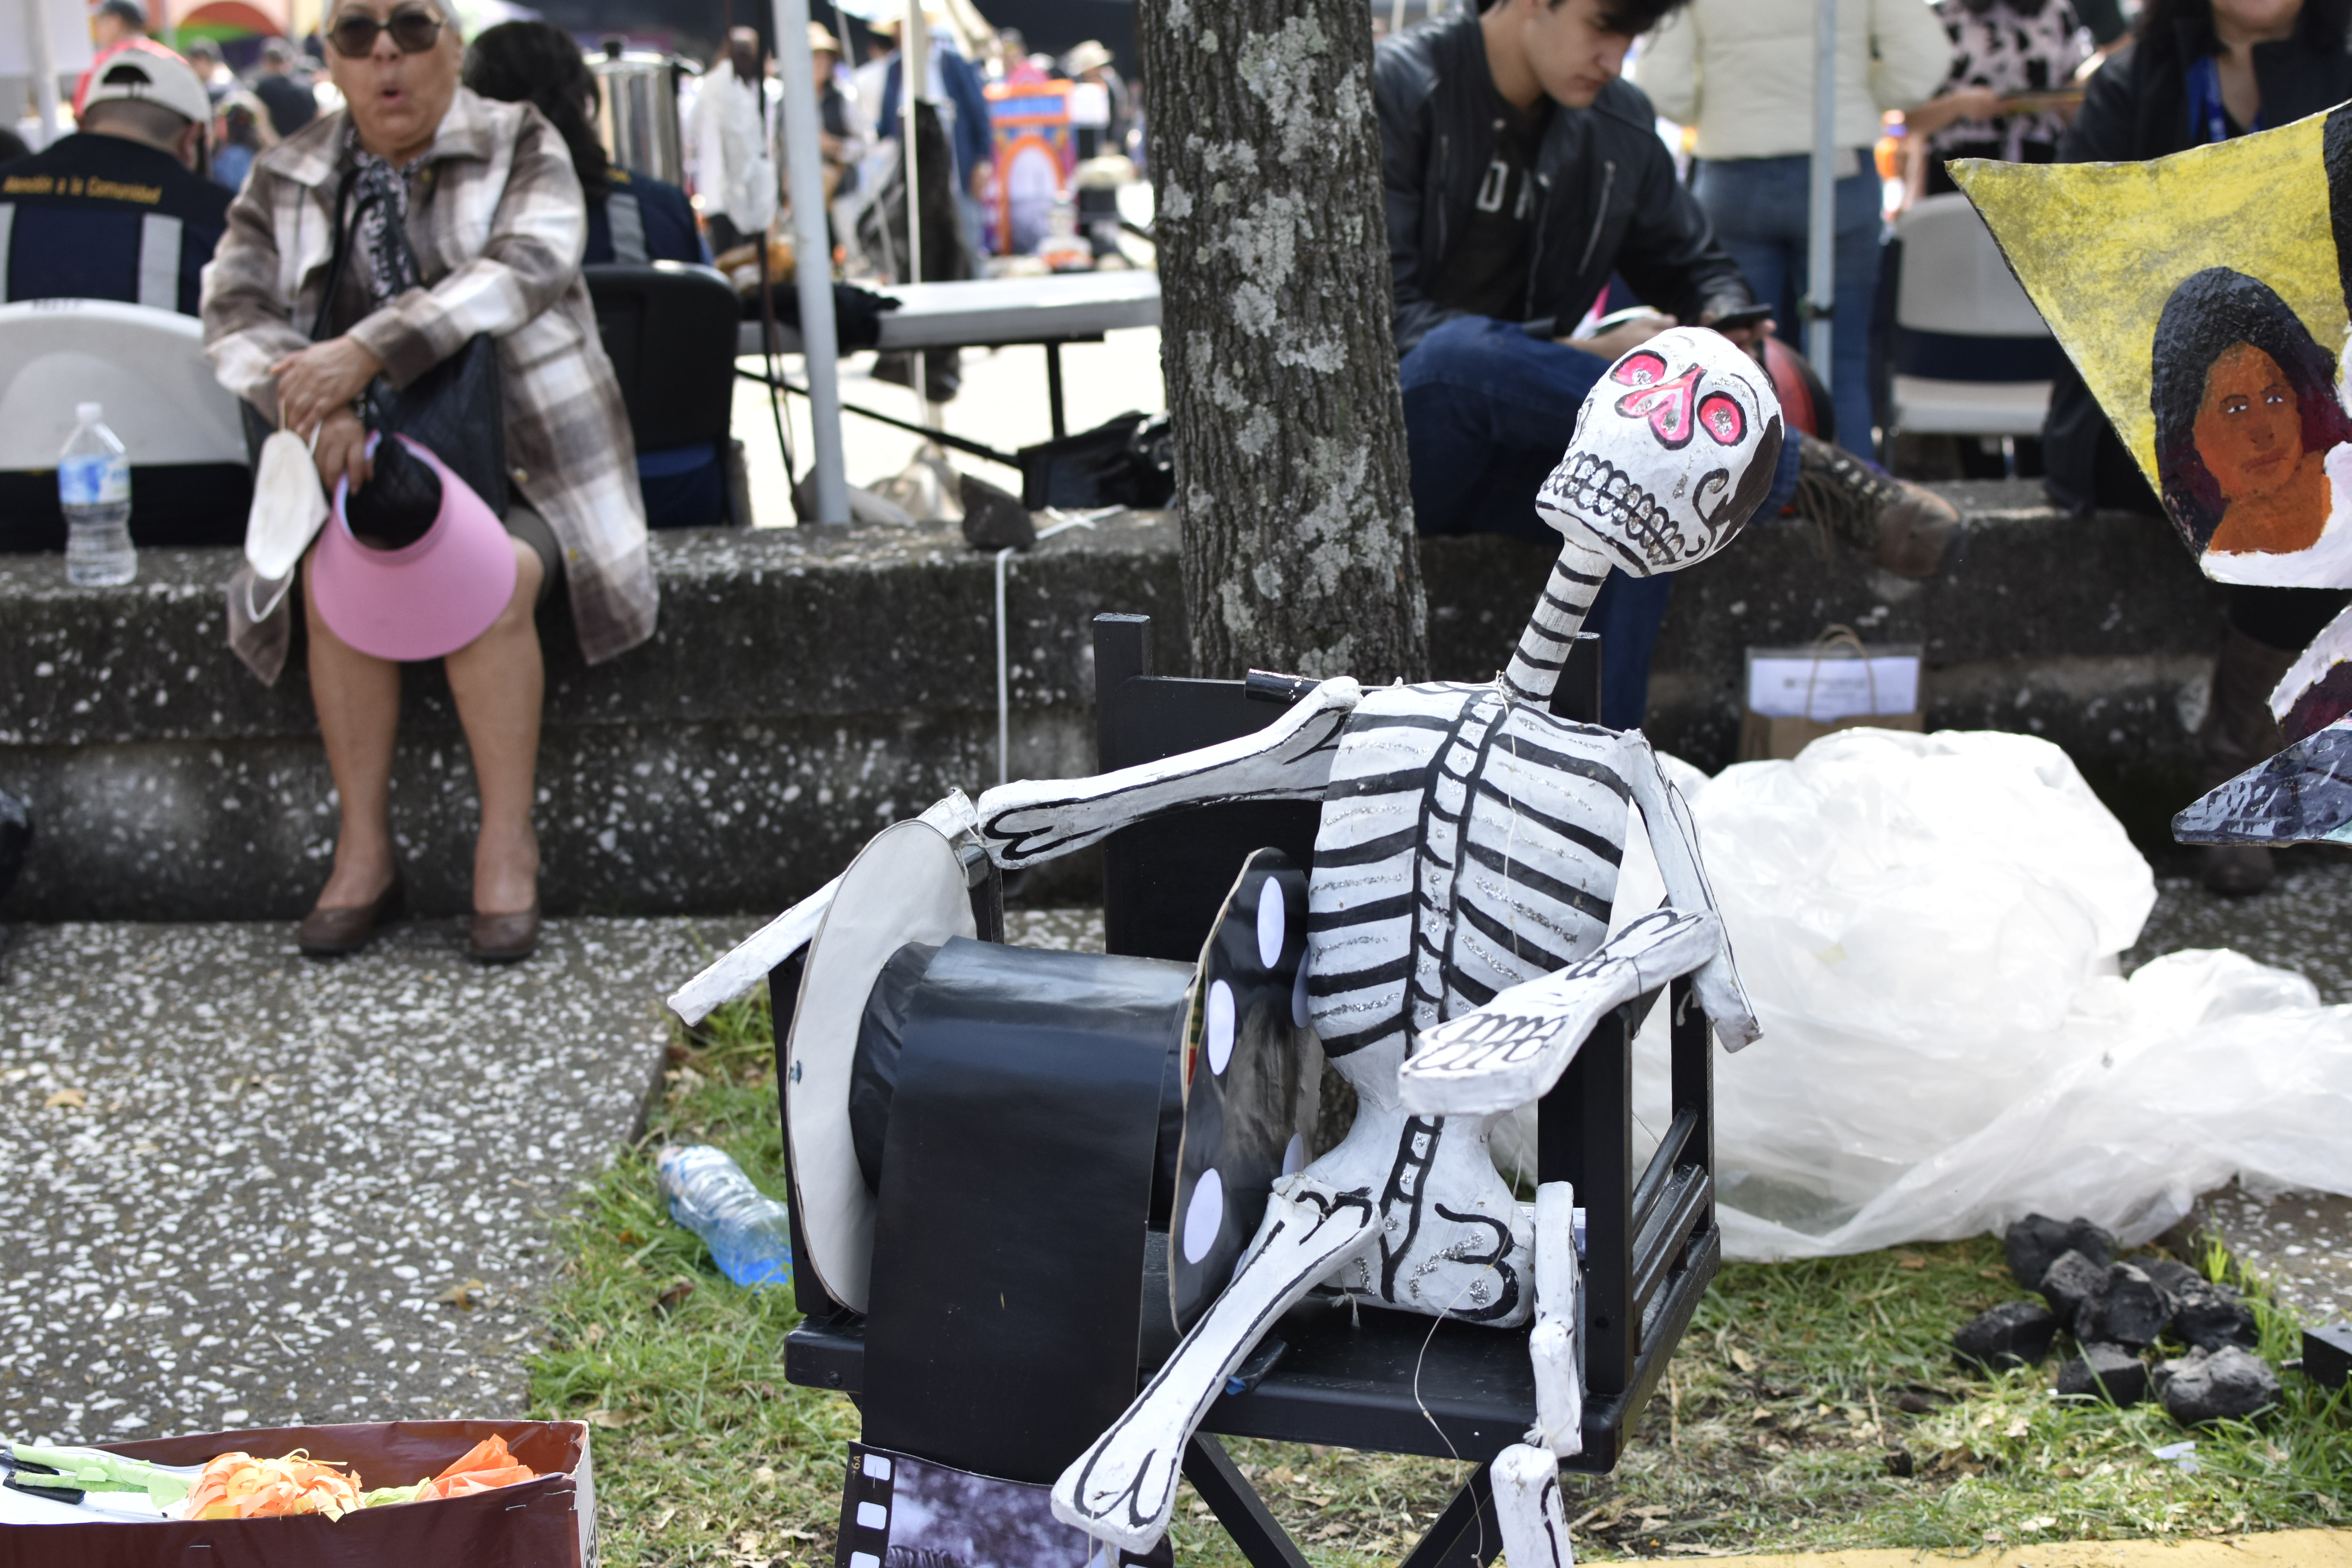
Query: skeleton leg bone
[1560,1385]
[1123,1489]
[1527,1505]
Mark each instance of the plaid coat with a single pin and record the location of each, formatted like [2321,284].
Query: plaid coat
[498,226]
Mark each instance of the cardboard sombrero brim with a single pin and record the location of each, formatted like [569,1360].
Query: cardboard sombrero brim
[906,885]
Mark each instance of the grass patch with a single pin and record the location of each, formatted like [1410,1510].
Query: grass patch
[1774,1429]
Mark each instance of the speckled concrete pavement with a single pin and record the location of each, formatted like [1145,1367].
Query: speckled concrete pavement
[242,1188]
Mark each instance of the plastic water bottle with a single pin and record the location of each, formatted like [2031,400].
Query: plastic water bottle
[94,488]
[750,1234]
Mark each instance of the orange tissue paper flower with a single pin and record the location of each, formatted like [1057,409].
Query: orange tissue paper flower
[238,1485]
[487,1465]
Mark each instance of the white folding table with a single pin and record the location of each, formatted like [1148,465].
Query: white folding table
[996,313]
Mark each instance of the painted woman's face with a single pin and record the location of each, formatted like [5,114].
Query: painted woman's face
[2249,429]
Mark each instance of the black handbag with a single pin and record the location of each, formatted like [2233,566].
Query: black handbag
[1127,461]
[453,408]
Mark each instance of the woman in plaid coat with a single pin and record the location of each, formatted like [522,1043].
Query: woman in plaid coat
[494,226]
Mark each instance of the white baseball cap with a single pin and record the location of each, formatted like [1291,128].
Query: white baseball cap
[145,70]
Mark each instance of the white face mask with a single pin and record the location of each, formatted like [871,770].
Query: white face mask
[289,506]
[1675,447]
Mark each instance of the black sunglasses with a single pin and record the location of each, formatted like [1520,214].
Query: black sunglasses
[413,32]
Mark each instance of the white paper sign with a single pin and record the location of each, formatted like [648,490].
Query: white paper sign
[1826,689]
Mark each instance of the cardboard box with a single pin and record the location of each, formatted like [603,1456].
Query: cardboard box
[546,1523]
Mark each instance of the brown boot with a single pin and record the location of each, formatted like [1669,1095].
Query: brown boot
[2239,732]
[1895,525]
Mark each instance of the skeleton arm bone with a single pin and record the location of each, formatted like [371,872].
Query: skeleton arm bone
[1673,838]
[1036,820]
[1123,1489]
[1513,1049]
[748,962]
[1022,824]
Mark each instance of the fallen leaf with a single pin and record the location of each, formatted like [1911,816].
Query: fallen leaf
[613,1421]
[765,1475]
[1909,1260]
[594,1333]
[1742,1359]
[66,1098]
[2043,1522]
[461,1295]
[1329,1531]
[1996,1535]
[2018,1428]
[669,1299]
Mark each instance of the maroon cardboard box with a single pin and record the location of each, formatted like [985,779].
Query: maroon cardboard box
[546,1523]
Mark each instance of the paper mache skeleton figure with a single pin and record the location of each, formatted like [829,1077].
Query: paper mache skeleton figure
[1455,952]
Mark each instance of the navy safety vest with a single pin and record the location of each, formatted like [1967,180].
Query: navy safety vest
[103,217]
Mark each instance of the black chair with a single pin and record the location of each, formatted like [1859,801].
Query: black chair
[669,330]
[1386,1381]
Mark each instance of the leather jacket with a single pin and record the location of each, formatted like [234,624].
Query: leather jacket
[1608,198]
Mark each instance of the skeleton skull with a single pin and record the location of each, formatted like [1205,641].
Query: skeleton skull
[1675,447]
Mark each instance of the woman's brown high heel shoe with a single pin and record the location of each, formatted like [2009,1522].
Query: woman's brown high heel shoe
[504,939]
[331,933]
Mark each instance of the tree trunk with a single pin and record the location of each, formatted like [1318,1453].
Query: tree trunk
[1276,339]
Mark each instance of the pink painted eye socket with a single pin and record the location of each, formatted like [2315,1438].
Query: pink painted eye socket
[1643,369]
[1722,418]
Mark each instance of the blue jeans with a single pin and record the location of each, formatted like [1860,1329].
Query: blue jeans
[1758,207]
[1489,411]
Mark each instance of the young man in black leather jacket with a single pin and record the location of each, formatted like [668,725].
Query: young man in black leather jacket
[1519,173]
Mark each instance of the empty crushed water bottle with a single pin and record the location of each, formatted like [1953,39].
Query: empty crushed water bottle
[94,489]
[749,1233]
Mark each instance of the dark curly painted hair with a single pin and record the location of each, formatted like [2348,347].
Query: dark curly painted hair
[2210,313]
[537,63]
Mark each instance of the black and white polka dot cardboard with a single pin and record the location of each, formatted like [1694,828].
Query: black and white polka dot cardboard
[1251,1075]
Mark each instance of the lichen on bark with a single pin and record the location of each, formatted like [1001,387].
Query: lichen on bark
[1280,364]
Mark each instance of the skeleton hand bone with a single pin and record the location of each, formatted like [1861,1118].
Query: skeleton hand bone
[1513,1049]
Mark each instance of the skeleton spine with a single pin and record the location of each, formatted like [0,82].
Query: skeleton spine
[1542,653]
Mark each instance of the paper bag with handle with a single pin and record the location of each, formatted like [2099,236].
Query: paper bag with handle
[1795,696]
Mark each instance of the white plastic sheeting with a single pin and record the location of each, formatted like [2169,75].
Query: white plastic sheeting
[1929,926]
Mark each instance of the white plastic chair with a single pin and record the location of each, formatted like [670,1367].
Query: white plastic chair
[146,366]
[1953,283]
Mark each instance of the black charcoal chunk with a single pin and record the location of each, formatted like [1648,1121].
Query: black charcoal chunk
[2215,1385]
[2032,1244]
[2071,1280]
[2097,1245]
[2172,1274]
[2127,1310]
[2105,1371]
[2015,1334]
[2209,1315]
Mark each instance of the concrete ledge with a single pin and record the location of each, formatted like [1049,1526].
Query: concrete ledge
[809,686]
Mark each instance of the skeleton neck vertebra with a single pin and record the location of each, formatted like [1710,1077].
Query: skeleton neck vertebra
[1542,653]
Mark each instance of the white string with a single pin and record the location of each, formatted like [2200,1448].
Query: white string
[1417,1360]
